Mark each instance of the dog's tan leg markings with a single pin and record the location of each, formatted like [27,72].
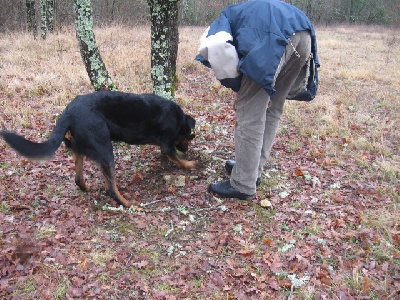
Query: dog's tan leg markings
[111,187]
[180,162]
[79,178]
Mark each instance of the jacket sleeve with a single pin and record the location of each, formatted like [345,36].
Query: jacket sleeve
[217,51]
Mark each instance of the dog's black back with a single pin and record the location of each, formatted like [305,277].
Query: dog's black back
[134,119]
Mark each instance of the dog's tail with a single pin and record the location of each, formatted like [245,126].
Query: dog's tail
[34,150]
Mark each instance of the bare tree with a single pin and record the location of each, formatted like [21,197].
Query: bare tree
[90,53]
[46,17]
[50,12]
[43,19]
[31,17]
[164,46]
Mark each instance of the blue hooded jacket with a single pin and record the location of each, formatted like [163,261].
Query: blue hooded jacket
[258,31]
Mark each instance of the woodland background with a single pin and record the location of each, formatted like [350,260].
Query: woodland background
[201,12]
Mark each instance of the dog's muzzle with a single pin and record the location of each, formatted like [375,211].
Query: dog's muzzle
[184,144]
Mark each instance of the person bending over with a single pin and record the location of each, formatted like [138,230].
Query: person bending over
[266,51]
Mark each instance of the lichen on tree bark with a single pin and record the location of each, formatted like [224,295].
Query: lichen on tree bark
[46,17]
[43,19]
[164,46]
[90,53]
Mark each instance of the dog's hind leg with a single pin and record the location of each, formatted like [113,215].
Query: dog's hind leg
[99,149]
[79,179]
[111,186]
[71,144]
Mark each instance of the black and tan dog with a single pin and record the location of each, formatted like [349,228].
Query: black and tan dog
[90,122]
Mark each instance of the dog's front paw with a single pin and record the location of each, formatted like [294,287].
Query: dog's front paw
[115,194]
[190,164]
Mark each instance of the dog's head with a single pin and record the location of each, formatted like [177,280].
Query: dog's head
[187,132]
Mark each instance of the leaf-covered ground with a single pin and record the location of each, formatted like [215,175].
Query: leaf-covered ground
[332,230]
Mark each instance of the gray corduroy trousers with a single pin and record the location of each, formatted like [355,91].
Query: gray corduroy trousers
[258,115]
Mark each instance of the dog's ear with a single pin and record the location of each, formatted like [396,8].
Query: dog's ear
[190,121]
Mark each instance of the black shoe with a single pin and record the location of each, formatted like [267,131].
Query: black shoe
[229,166]
[225,190]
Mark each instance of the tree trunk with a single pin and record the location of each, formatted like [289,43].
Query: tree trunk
[43,19]
[31,17]
[112,10]
[50,11]
[164,46]
[90,53]
[46,17]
